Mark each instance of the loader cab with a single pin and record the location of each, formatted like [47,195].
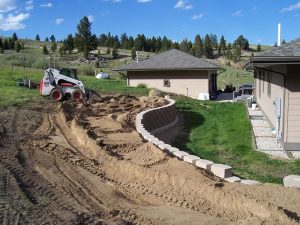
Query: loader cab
[72,73]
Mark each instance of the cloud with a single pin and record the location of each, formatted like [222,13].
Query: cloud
[144,1]
[46,5]
[59,21]
[29,5]
[7,5]
[91,18]
[238,13]
[198,16]
[183,4]
[112,1]
[13,22]
[291,7]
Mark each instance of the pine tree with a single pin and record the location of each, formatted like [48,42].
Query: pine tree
[11,43]
[165,44]
[37,37]
[108,51]
[69,44]
[214,40]
[185,46]
[17,46]
[52,38]
[45,50]
[63,49]
[15,37]
[242,42]
[124,41]
[133,53]
[283,42]
[1,43]
[175,45]
[258,48]
[198,46]
[22,46]
[5,44]
[208,51]
[115,53]
[130,43]
[53,46]
[222,46]
[275,45]
[84,40]
[46,39]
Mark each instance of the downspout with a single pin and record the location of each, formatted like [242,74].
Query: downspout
[284,94]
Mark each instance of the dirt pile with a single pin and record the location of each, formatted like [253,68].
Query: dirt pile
[70,164]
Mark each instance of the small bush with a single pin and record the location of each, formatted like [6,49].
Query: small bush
[142,86]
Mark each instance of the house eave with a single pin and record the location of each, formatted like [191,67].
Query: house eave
[167,69]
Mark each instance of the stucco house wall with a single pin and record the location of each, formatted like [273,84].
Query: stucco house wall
[188,83]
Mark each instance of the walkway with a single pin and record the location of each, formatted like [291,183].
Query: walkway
[264,138]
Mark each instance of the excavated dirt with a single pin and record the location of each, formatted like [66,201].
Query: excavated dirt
[71,164]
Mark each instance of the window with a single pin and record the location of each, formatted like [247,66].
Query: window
[269,80]
[167,83]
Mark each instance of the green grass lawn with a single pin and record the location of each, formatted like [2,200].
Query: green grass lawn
[221,132]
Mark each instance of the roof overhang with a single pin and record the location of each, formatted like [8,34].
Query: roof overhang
[264,61]
[167,69]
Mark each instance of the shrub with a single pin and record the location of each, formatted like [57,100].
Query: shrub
[142,86]
[86,70]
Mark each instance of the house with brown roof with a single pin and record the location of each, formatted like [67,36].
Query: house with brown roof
[176,72]
[277,90]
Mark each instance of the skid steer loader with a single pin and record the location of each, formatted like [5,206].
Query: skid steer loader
[63,84]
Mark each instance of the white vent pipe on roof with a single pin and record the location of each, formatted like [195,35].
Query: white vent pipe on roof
[279,35]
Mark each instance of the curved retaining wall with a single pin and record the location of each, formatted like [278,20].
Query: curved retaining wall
[152,121]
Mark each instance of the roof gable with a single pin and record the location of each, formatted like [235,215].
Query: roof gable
[171,60]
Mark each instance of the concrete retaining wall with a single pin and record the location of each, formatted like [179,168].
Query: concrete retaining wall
[152,121]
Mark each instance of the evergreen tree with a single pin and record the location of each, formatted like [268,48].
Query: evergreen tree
[46,39]
[63,49]
[15,37]
[11,43]
[140,43]
[158,44]
[124,41]
[275,45]
[185,46]
[115,53]
[37,37]
[242,42]
[198,46]
[1,51]
[236,53]
[84,40]
[130,43]
[222,46]
[53,46]
[133,53]
[18,46]
[1,43]
[258,48]
[165,44]
[52,38]
[69,44]
[175,45]
[45,50]
[283,42]
[108,51]
[5,44]
[22,46]
[208,51]
[214,40]
[102,40]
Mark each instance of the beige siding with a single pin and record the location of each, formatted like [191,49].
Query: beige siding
[293,91]
[189,83]
[264,100]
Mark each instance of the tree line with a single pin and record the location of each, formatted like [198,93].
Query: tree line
[11,43]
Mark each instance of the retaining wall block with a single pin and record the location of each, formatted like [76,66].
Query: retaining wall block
[233,179]
[292,181]
[162,146]
[180,154]
[204,164]
[190,158]
[222,171]
[250,182]
[173,149]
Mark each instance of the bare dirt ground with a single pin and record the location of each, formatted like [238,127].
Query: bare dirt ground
[70,164]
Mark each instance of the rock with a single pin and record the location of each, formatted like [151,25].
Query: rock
[222,171]
[180,154]
[233,179]
[250,182]
[292,181]
[155,93]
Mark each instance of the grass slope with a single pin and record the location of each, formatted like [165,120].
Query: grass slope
[221,132]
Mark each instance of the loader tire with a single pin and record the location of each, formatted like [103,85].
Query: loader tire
[77,95]
[56,94]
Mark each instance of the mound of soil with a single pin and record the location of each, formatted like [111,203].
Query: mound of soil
[71,164]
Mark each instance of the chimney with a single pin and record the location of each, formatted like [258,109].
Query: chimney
[137,56]
[279,35]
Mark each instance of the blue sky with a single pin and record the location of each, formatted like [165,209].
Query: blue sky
[177,19]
